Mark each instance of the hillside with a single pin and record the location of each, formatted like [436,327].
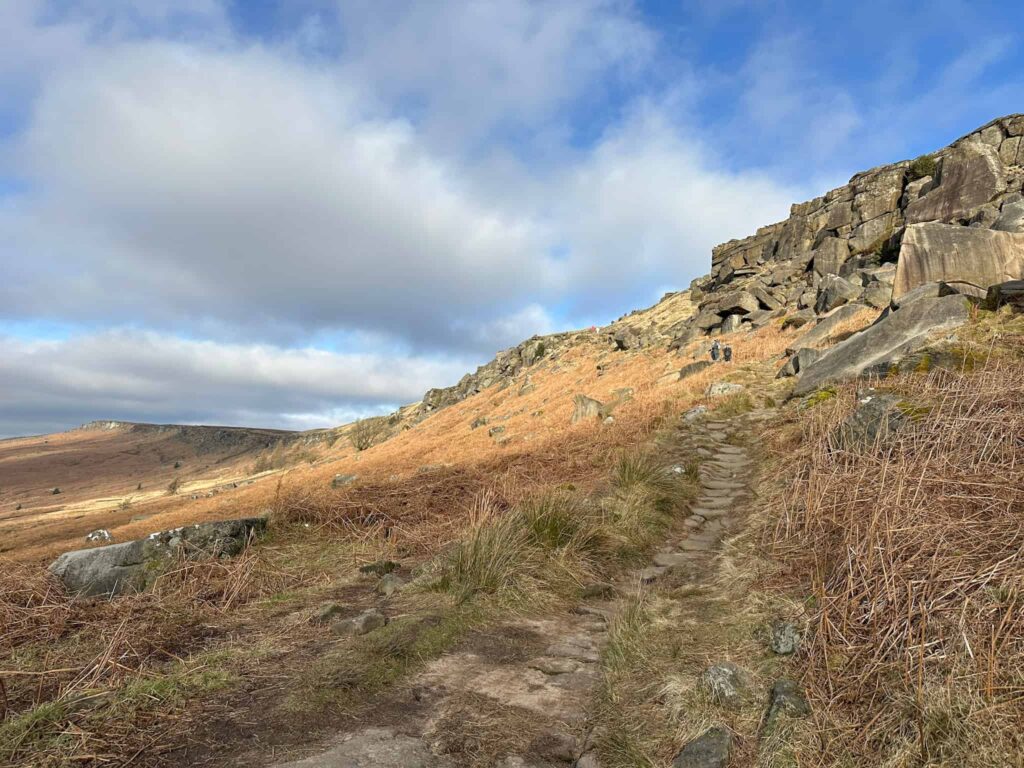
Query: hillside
[599,549]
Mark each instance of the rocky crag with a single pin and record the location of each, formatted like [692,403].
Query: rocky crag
[947,223]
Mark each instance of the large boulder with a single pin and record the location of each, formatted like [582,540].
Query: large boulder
[738,302]
[968,259]
[133,565]
[1011,217]
[834,291]
[799,361]
[970,176]
[1010,293]
[887,341]
[830,256]
[822,333]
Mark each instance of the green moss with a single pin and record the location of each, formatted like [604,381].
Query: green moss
[924,364]
[912,411]
[819,397]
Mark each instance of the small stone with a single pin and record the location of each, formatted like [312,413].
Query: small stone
[340,481]
[783,637]
[572,651]
[725,683]
[555,746]
[493,431]
[786,700]
[554,666]
[479,421]
[695,413]
[327,612]
[670,559]
[365,622]
[588,760]
[102,536]
[709,750]
[389,584]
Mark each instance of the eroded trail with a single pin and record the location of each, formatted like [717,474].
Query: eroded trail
[520,695]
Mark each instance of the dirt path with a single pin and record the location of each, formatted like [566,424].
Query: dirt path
[518,696]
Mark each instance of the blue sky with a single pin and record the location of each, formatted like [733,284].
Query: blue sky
[296,213]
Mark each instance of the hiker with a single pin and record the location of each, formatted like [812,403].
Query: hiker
[715,350]
[727,353]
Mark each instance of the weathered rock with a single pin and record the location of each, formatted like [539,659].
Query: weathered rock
[709,750]
[692,369]
[1011,218]
[389,584]
[556,746]
[798,319]
[968,259]
[786,700]
[626,338]
[768,301]
[695,413]
[971,175]
[834,292]
[102,535]
[706,320]
[586,408]
[340,481]
[134,565]
[479,421]
[925,291]
[725,683]
[732,323]
[374,748]
[822,333]
[364,623]
[830,256]
[738,302]
[799,361]
[885,342]
[495,431]
[877,294]
[1010,293]
[876,416]
[722,388]
[784,637]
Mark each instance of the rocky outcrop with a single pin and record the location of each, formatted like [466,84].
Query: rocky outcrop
[886,342]
[133,565]
[969,259]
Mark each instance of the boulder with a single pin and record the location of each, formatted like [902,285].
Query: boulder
[798,362]
[134,565]
[768,301]
[830,256]
[738,302]
[586,408]
[732,323]
[626,338]
[971,175]
[822,333]
[1011,218]
[707,320]
[925,291]
[833,292]
[877,294]
[963,257]
[876,416]
[694,368]
[887,341]
[709,750]
[1011,293]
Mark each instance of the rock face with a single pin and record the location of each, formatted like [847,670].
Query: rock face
[971,175]
[823,331]
[887,341]
[133,565]
[969,259]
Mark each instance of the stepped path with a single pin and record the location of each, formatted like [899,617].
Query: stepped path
[517,695]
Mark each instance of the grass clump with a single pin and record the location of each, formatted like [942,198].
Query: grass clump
[734,405]
[921,167]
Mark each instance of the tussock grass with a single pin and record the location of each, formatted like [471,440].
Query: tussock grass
[911,553]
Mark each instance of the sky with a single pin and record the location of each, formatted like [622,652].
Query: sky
[297,213]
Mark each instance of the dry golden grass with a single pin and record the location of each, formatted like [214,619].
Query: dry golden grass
[911,553]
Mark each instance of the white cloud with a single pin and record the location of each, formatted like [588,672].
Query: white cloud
[121,374]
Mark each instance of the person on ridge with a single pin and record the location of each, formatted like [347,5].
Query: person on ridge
[715,351]
[727,353]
